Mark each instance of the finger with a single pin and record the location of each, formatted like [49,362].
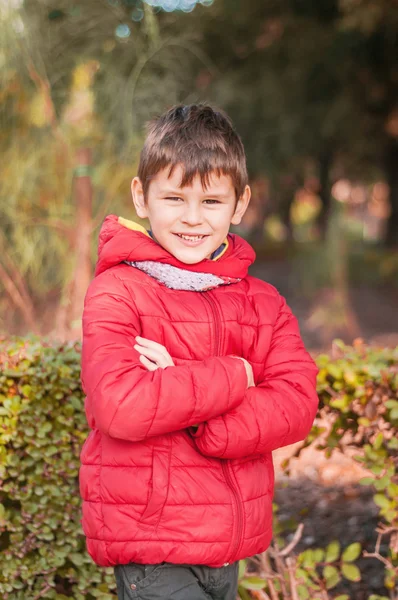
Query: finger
[148,363]
[150,344]
[148,352]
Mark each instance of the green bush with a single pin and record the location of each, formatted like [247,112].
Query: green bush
[43,427]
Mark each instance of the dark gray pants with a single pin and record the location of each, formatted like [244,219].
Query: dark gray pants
[176,582]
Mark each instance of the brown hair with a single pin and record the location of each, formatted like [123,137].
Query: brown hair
[198,137]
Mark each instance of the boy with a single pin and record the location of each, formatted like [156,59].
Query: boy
[194,373]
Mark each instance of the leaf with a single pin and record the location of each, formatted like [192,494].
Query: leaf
[381,501]
[332,551]
[378,441]
[303,592]
[366,481]
[332,576]
[339,403]
[319,555]
[335,371]
[352,552]
[253,583]
[393,443]
[391,404]
[351,572]
[307,558]
[394,414]
[342,597]
[243,594]
[76,558]
[242,569]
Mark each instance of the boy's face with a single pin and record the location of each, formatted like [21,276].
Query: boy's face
[189,222]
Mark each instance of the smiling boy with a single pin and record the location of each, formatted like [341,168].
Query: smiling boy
[194,373]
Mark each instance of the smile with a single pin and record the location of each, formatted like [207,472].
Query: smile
[191,240]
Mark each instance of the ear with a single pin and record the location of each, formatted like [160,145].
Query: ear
[241,206]
[137,193]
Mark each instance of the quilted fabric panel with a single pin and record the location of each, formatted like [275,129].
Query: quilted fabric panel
[152,489]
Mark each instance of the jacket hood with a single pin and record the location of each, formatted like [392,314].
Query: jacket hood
[121,240]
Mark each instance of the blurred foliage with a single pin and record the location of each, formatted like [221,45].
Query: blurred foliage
[68,80]
[309,575]
[307,76]
[310,86]
[43,426]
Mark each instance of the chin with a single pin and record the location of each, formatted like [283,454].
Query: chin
[189,259]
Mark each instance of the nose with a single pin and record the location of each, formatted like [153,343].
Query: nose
[192,215]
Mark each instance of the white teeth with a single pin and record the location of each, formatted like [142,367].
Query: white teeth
[192,238]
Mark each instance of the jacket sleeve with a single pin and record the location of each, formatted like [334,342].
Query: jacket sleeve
[278,411]
[124,399]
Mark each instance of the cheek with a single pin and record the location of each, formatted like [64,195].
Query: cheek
[221,219]
[161,218]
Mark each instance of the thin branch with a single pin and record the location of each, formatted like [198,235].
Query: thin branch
[280,566]
[296,538]
[290,562]
[24,304]
[382,531]
[267,568]
[379,557]
[43,592]
[56,224]
[16,287]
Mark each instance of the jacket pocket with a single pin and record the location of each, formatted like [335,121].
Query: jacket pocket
[159,484]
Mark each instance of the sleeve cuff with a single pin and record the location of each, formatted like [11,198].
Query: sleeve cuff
[197,431]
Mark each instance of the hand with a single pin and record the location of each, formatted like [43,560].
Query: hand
[249,372]
[153,355]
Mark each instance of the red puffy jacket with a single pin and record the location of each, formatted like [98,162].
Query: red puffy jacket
[152,490]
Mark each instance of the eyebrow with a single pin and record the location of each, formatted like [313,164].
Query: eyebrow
[207,194]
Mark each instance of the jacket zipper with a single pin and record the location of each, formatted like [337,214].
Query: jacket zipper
[225,463]
[239,515]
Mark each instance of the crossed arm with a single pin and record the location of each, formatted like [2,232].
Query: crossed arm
[277,412]
[134,391]
[126,397]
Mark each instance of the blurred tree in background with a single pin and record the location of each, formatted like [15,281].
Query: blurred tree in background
[310,84]
[77,85]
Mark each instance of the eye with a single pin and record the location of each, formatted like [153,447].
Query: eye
[173,198]
[212,201]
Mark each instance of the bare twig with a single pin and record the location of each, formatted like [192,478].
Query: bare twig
[24,303]
[267,569]
[280,566]
[43,592]
[382,531]
[296,538]
[290,562]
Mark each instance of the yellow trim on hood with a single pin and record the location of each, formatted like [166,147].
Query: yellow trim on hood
[132,225]
[137,227]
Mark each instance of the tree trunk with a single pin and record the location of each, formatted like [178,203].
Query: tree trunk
[391,170]
[260,199]
[325,192]
[82,272]
[289,184]
[287,199]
